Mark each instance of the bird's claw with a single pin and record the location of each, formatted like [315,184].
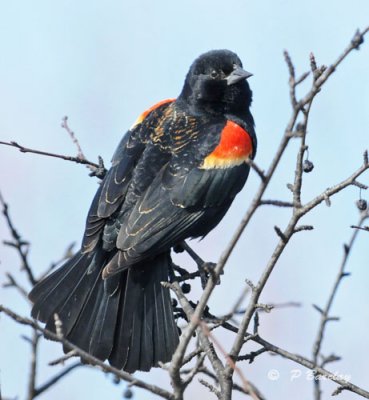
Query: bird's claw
[207,271]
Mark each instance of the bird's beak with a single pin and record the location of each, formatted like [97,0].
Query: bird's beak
[237,75]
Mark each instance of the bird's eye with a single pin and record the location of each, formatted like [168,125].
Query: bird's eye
[214,74]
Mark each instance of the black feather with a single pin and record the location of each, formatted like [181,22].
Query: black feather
[109,296]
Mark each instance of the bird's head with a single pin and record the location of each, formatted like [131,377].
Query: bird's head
[217,83]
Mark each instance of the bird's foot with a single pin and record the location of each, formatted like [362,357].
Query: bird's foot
[207,270]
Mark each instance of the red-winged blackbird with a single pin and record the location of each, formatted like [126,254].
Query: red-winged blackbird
[174,175]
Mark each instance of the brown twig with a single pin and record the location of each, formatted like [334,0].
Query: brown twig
[72,135]
[32,375]
[303,361]
[20,245]
[324,313]
[256,168]
[310,365]
[78,160]
[236,387]
[177,360]
[245,383]
[277,203]
[13,283]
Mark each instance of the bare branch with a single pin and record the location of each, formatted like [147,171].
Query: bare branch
[332,190]
[301,361]
[19,244]
[72,135]
[245,383]
[78,160]
[13,283]
[257,169]
[363,228]
[251,356]
[325,318]
[39,390]
[298,212]
[318,83]
[32,375]
[303,228]
[210,387]
[310,365]
[64,358]
[88,357]
[277,203]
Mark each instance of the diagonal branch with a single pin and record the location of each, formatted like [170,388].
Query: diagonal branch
[88,357]
[324,313]
[287,234]
[305,362]
[39,390]
[78,159]
[20,245]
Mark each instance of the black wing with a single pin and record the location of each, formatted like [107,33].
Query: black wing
[121,180]
[182,200]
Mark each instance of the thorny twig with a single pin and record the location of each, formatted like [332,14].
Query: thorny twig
[96,167]
[65,126]
[324,313]
[17,243]
[303,361]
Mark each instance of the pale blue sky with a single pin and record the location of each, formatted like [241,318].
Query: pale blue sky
[102,63]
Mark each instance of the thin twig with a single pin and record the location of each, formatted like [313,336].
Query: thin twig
[256,168]
[245,383]
[287,234]
[324,313]
[33,370]
[39,390]
[77,159]
[13,283]
[61,360]
[277,203]
[88,357]
[301,361]
[362,228]
[177,359]
[235,386]
[310,365]
[18,243]
[72,135]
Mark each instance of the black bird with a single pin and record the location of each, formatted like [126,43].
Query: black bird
[174,175]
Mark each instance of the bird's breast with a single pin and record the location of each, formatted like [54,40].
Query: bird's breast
[234,147]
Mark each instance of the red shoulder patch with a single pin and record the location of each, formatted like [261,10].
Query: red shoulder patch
[149,110]
[234,148]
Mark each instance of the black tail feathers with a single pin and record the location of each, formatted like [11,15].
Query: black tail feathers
[127,318]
